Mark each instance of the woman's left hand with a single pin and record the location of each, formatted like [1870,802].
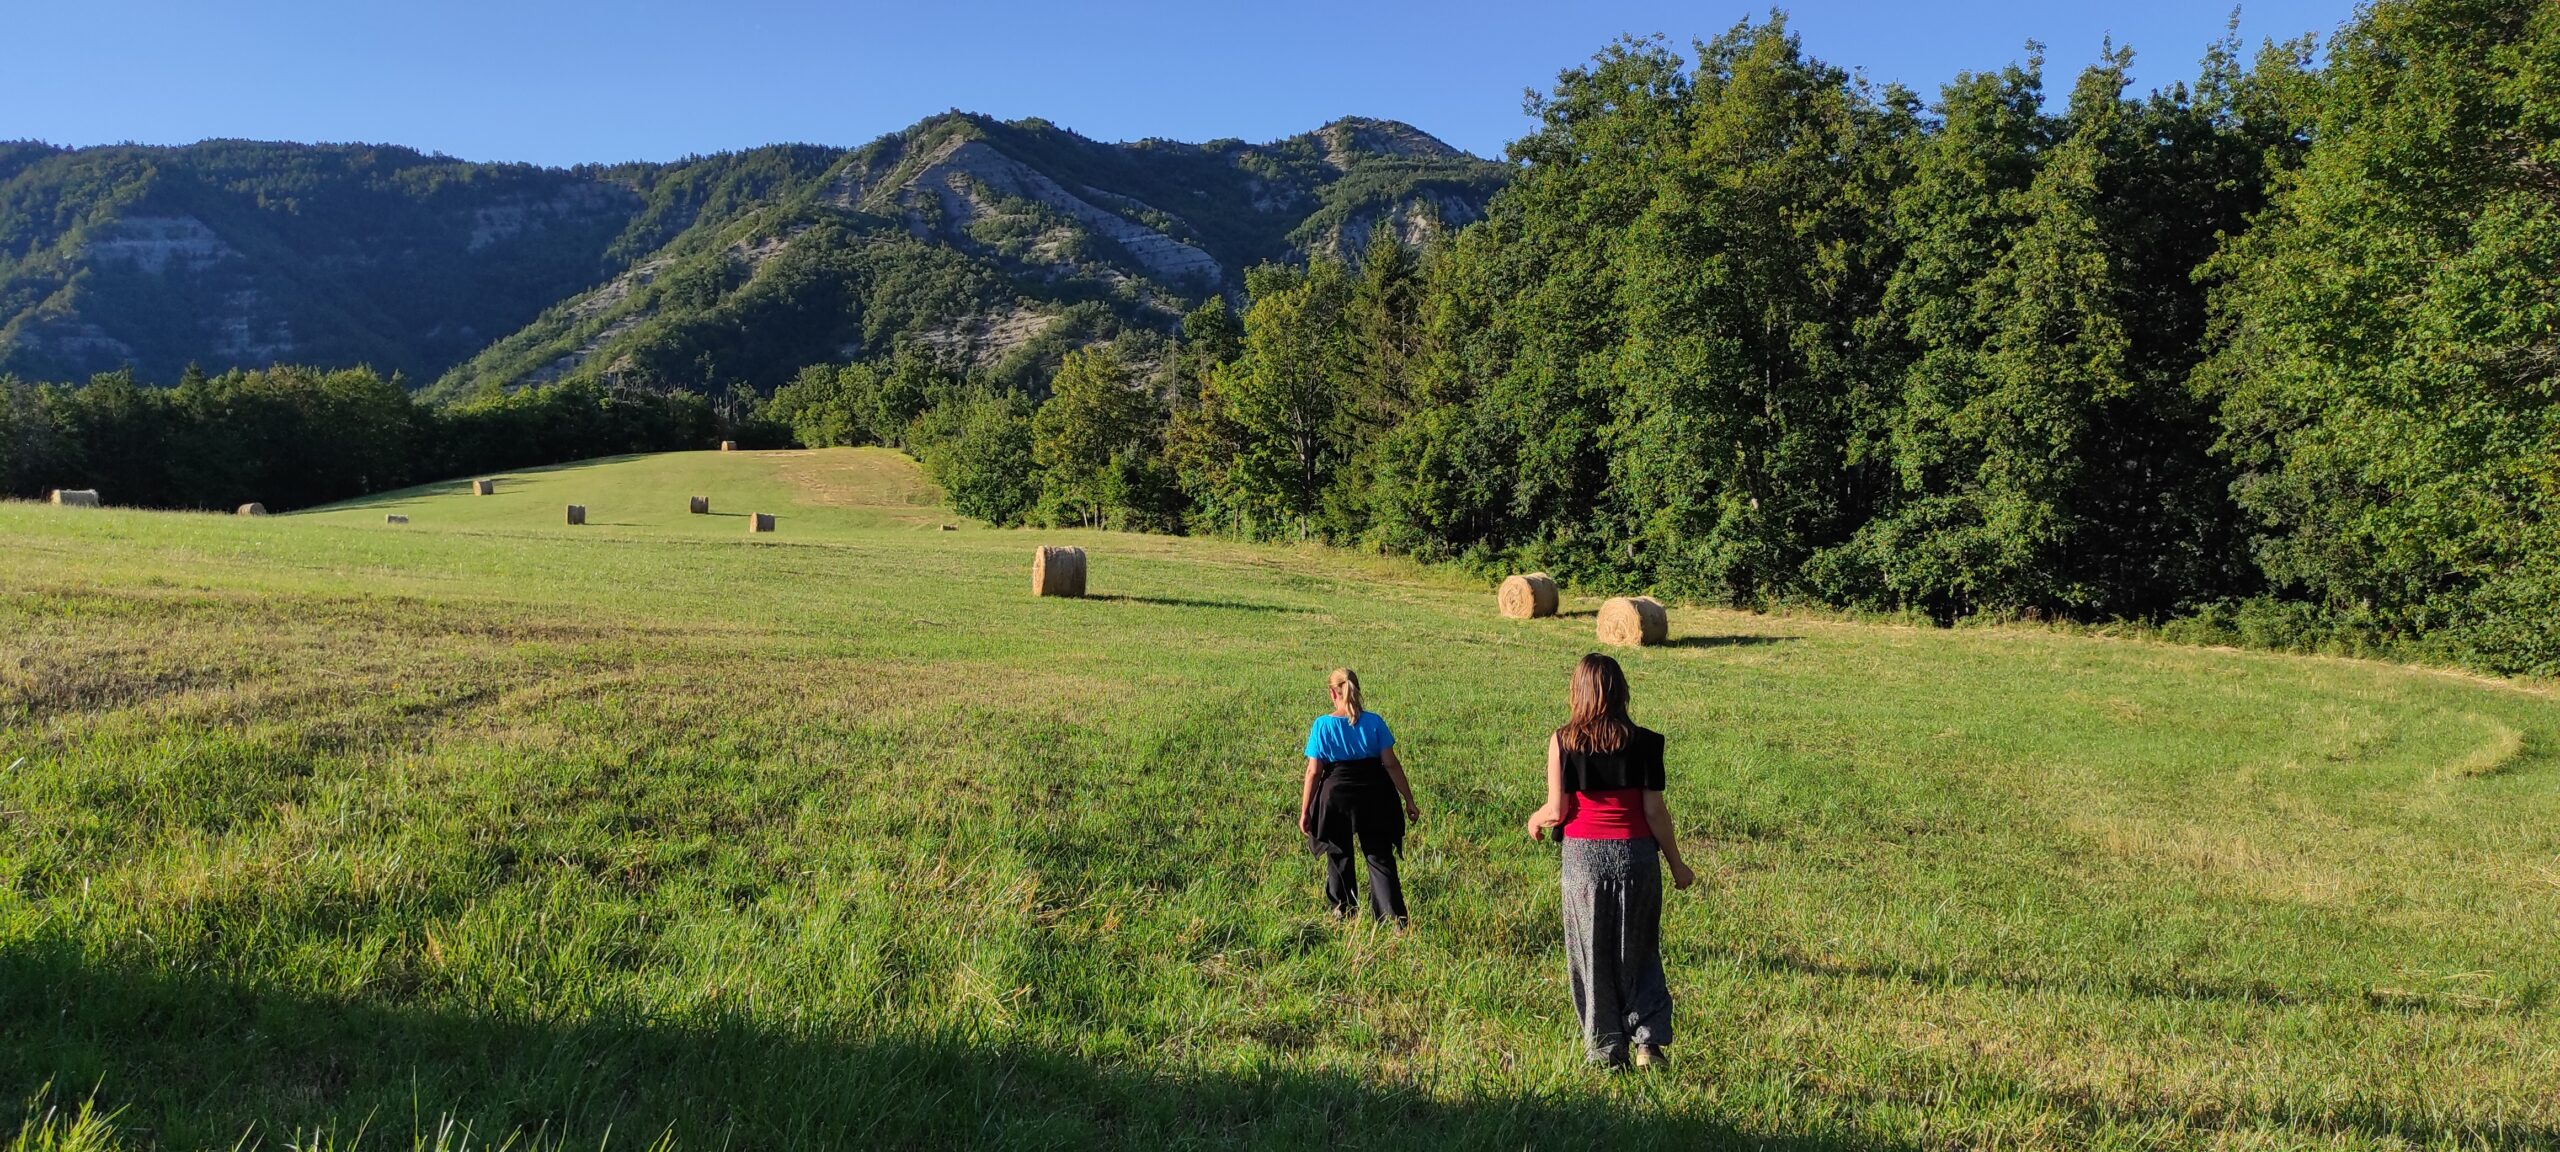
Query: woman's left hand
[1682,876]
[1412,811]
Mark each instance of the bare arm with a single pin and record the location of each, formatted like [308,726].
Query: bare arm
[1395,772]
[1558,807]
[1307,794]
[1657,815]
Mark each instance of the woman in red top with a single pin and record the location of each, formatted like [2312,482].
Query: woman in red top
[1604,791]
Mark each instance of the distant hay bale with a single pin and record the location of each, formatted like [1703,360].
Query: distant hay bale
[1634,621]
[728,445]
[1057,571]
[252,508]
[759,522]
[1528,597]
[577,513]
[950,527]
[75,497]
[395,518]
[698,505]
[484,487]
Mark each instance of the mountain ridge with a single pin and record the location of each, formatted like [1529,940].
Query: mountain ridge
[963,235]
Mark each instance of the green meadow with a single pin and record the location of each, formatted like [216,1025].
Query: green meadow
[486,831]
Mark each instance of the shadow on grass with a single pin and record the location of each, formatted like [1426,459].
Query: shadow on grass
[1941,976]
[2130,986]
[189,1061]
[1733,641]
[1179,602]
[2360,1120]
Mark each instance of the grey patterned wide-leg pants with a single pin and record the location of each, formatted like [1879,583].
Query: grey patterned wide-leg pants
[1613,945]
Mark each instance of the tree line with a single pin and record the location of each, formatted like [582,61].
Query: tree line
[292,437]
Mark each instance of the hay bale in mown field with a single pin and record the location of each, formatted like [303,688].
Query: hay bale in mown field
[395,518]
[1528,596]
[252,508]
[759,522]
[698,505]
[1057,571]
[74,497]
[484,487]
[577,513]
[728,445]
[950,527]
[1634,621]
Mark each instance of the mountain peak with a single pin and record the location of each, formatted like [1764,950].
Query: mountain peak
[1362,134]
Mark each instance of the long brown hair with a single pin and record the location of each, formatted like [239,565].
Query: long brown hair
[1599,722]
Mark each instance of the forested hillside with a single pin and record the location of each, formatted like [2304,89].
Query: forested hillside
[234,252]
[989,246]
[962,232]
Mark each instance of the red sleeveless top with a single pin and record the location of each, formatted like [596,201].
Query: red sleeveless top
[1609,814]
[1608,788]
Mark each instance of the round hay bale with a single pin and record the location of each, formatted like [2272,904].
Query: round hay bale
[950,527]
[760,522]
[728,445]
[1528,597]
[484,487]
[698,505]
[577,513]
[395,518]
[1634,622]
[75,497]
[1057,571]
[252,508]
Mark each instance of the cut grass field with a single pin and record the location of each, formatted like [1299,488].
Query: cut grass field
[321,832]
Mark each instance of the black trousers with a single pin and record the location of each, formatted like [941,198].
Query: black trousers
[1386,888]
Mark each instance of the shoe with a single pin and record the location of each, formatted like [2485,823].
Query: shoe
[1648,1056]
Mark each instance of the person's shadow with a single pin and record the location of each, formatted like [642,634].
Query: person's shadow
[197,1061]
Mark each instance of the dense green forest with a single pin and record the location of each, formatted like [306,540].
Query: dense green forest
[295,437]
[2268,356]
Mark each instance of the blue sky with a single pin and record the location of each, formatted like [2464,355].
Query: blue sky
[565,81]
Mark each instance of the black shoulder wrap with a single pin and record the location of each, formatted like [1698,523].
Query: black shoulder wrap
[1638,765]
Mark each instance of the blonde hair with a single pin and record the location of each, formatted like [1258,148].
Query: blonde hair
[1344,684]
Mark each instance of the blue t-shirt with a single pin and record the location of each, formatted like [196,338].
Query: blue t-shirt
[1334,738]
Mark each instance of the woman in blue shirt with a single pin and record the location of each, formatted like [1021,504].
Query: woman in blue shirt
[1353,784]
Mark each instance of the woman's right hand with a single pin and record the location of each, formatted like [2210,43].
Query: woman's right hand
[1542,819]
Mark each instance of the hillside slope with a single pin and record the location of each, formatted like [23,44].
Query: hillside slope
[827,493]
[313,826]
[232,252]
[237,253]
